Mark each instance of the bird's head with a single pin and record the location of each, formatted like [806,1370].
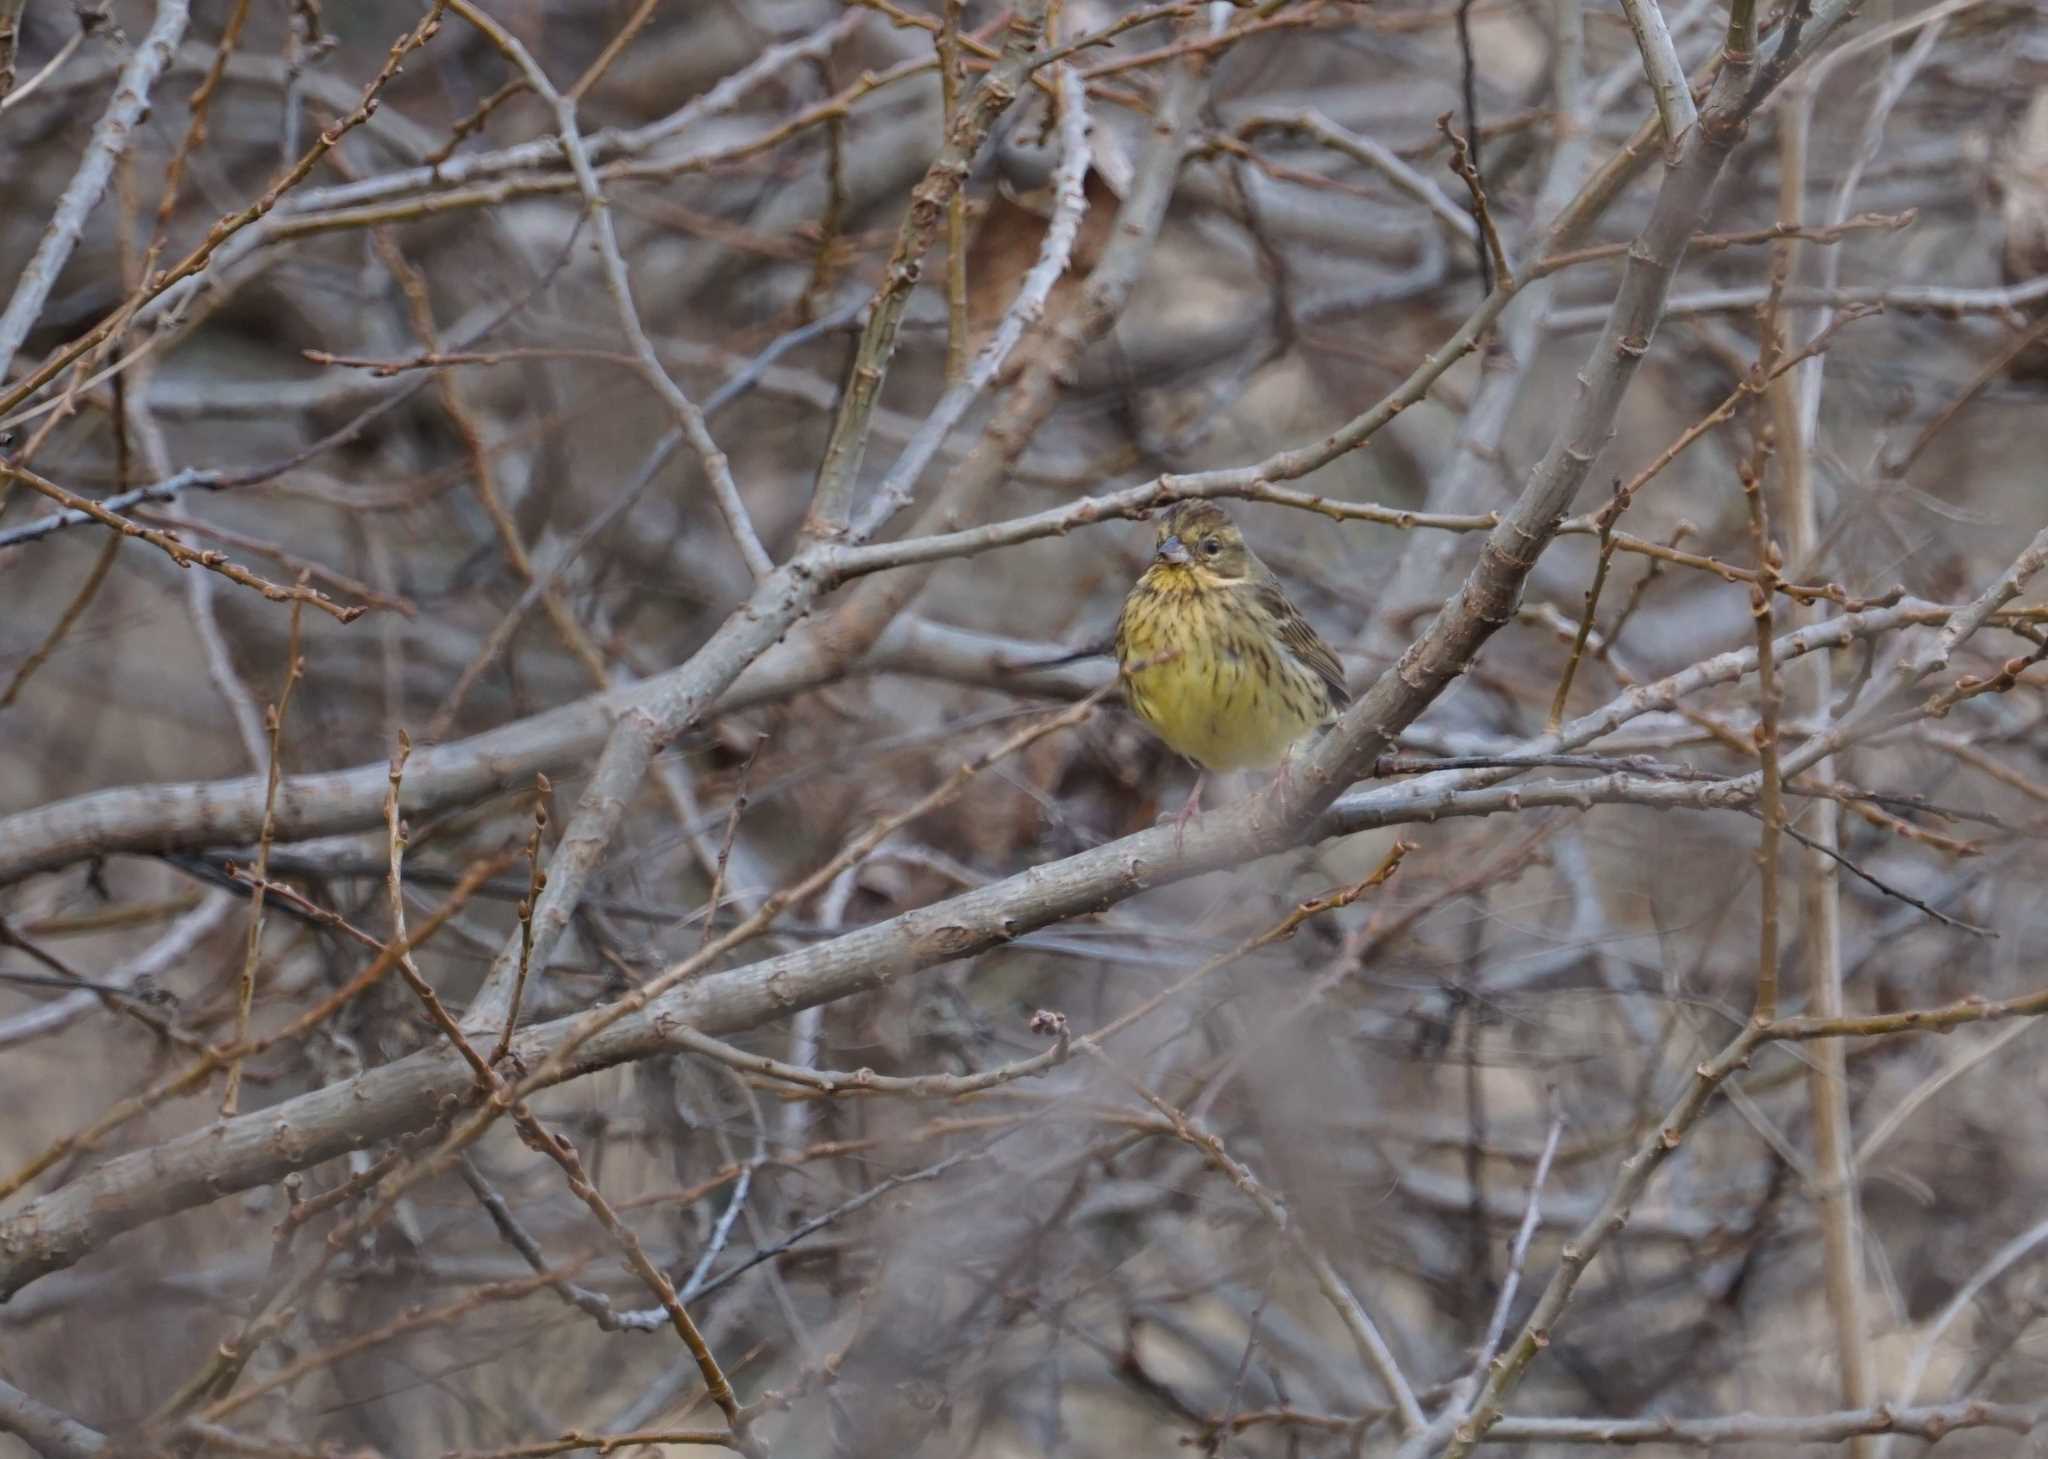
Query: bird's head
[1198,539]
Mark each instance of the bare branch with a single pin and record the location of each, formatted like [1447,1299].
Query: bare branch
[1668,85]
[109,141]
[52,1434]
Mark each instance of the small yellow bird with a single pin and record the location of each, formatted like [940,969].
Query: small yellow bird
[1213,655]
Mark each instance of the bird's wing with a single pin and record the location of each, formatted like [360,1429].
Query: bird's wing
[1303,642]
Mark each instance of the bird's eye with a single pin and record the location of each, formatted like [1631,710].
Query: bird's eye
[1210,547]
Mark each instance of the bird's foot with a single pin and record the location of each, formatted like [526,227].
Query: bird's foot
[1187,812]
[1278,793]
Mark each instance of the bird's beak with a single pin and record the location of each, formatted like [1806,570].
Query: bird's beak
[1173,550]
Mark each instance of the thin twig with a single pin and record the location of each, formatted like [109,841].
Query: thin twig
[1592,605]
[177,551]
[733,813]
[536,883]
[273,725]
[1769,698]
[44,72]
[1465,162]
[1374,154]
[1488,250]
[2003,589]
[1931,1423]
[1518,1254]
[946,41]
[66,621]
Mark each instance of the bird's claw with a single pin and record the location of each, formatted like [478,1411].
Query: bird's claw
[1189,809]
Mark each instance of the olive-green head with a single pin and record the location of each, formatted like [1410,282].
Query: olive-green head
[1200,537]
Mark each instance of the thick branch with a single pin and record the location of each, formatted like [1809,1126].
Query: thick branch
[52,1434]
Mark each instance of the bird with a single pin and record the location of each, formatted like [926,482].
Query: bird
[1213,655]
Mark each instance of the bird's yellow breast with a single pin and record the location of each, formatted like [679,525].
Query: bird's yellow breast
[1204,670]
